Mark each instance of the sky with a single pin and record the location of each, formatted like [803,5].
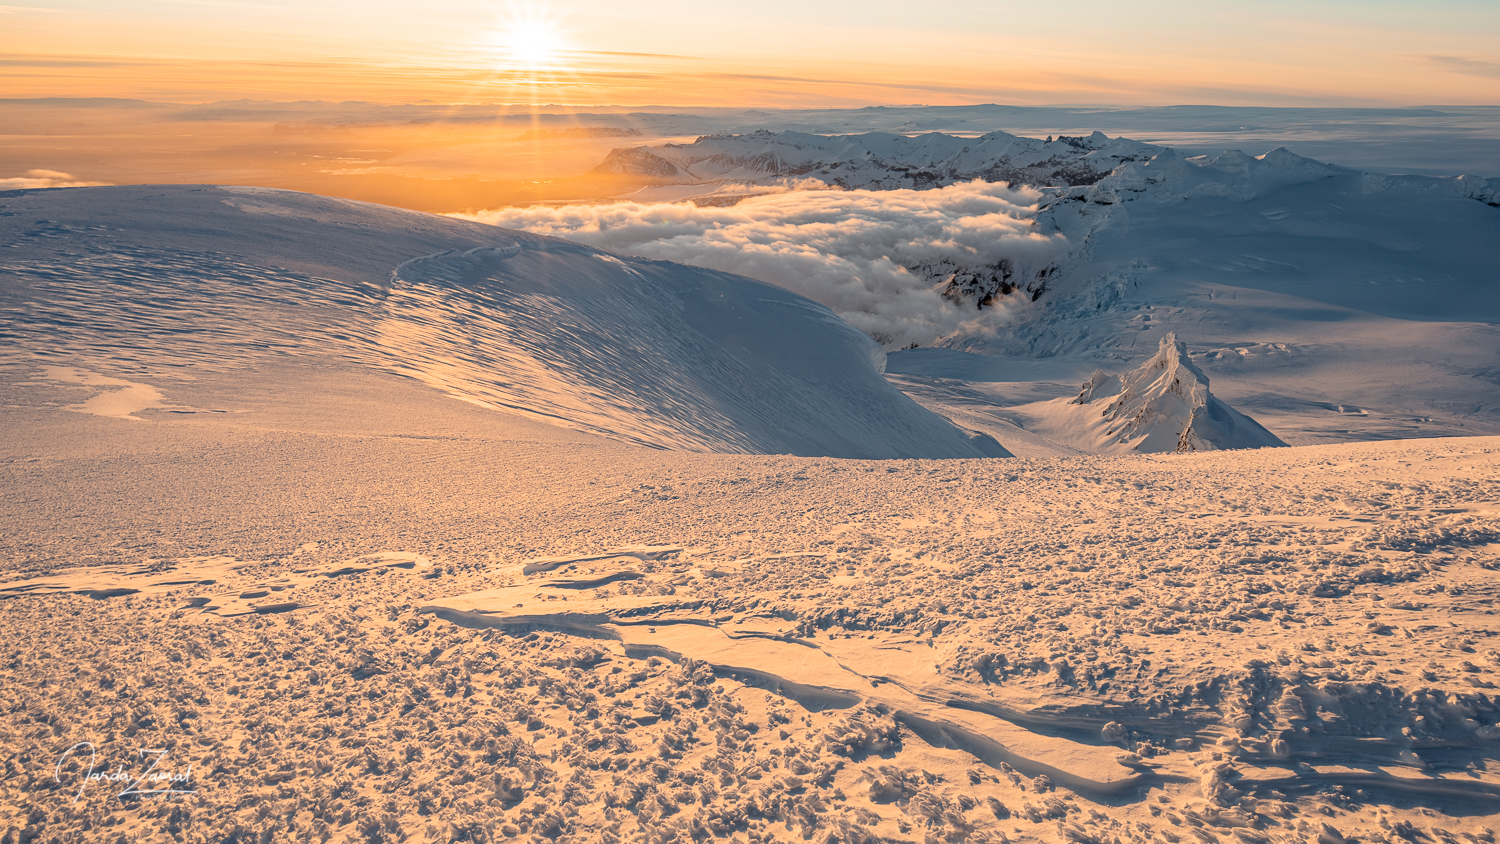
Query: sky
[767,53]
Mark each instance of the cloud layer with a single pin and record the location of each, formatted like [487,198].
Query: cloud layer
[45,179]
[846,249]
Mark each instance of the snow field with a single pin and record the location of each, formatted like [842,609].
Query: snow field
[1289,637]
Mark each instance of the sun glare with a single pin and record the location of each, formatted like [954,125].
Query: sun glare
[532,43]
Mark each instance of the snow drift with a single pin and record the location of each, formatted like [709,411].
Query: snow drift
[645,351]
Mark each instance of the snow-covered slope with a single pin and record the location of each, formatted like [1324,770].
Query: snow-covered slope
[1166,177]
[417,625]
[142,279]
[1328,303]
[879,161]
[1404,246]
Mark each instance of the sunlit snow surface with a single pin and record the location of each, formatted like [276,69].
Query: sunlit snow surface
[360,609]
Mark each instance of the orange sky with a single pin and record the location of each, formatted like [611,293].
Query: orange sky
[774,52]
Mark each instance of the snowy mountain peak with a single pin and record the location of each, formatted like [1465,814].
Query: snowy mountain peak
[1165,406]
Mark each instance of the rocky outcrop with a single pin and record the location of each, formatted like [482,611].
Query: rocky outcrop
[1165,406]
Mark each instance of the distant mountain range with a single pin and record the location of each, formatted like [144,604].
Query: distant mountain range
[880,161]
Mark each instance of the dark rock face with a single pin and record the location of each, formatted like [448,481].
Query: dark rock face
[983,286]
[640,162]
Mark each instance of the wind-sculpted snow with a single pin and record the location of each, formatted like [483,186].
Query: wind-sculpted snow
[651,352]
[905,266]
[646,351]
[408,623]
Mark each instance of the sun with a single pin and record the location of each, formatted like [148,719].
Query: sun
[532,43]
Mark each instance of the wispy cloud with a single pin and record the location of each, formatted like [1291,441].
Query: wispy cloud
[632,55]
[61,63]
[1466,66]
[892,84]
[231,4]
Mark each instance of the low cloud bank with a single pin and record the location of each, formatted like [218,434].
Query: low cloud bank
[45,179]
[849,249]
